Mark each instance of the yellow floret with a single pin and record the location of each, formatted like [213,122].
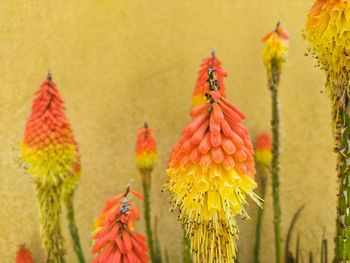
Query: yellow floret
[198,99]
[274,52]
[146,160]
[208,201]
[49,165]
[263,157]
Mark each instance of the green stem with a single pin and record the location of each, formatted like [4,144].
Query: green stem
[260,215]
[342,148]
[187,249]
[146,184]
[273,85]
[74,231]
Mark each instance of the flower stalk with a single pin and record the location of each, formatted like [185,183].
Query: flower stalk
[146,186]
[69,188]
[273,85]
[73,229]
[274,55]
[263,157]
[262,186]
[342,148]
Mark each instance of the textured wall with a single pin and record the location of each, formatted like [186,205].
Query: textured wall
[119,62]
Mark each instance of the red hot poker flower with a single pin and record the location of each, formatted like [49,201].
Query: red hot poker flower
[146,148]
[210,172]
[48,145]
[24,255]
[263,147]
[115,239]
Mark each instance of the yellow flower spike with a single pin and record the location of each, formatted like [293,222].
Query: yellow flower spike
[328,31]
[276,48]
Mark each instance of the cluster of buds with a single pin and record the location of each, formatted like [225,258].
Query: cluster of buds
[146,149]
[211,170]
[48,145]
[276,48]
[263,148]
[24,255]
[115,239]
[202,85]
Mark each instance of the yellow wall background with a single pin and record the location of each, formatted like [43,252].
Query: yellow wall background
[118,62]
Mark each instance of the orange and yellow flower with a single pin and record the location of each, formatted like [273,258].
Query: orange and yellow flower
[211,170]
[115,239]
[48,145]
[328,31]
[276,48]
[24,255]
[49,150]
[263,147]
[202,86]
[146,149]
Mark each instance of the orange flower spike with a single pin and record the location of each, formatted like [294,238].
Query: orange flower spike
[146,149]
[24,255]
[202,86]
[263,147]
[46,145]
[115,241]
[210,182]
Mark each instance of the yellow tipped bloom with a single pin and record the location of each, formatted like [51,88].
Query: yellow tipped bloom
[211,171]
[146,149]
[263,147]
[328,31]
[276,48]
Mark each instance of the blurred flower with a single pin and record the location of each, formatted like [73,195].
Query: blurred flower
[276,48]
[49,150]
[263,147]
[115,239]
[211,170]
[146,149]
[327,29]
[24,255]
[48,145]
[202,86]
